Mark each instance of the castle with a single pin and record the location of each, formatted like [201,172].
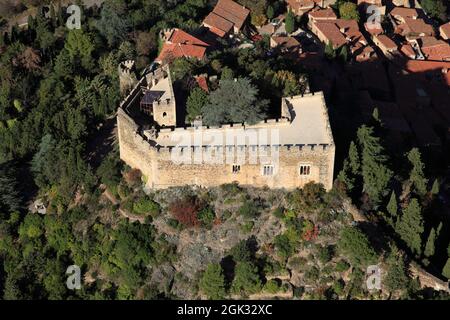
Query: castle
[287,152]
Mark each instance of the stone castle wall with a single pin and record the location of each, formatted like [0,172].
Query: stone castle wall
[161,171]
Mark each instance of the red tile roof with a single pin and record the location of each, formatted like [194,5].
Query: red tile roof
[225,15]
[386,42]
[437,67]
[202,83]
[407,50]
[322,14]
[435,49]
[181,44]
[286,42]
[415,27]
[340,32]
[403,13]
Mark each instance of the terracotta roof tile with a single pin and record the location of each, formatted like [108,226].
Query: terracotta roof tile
[225,15]
[386,42]
[322,14]
[435,49]
[437,67]
[181,44]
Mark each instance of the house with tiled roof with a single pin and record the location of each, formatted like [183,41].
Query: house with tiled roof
[444,31]
[414,28]
[434,49]
[285,44]
[400,14]
[226,18]
[178,44]
[321,15]
[408,50]
[386,45]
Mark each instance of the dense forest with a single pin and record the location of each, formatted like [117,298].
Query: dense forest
[59,89]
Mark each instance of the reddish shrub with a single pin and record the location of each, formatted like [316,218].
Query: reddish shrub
[133,177]
[185,211]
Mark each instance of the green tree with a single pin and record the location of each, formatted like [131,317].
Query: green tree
[429,247]
[270,13]
[348,11]
[330,53]
[410,226]
[435,187]
[397,272]
[246,279]
[392,207]
[435,8]
[112,26]
[343,53]
[416,176]
[446,269]
[234,102]
[290,22]
[212,282]
[355,245]
[376,175]
[195,103]
[80,46]
[351,168]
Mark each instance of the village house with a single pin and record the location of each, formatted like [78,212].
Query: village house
[408,51]
[300,7]
[178,44]
[386,45]
[444,31]
[400,14]
[274,27]
[228,17]
[414,28]
[320,15]
[285,44]
[434,49]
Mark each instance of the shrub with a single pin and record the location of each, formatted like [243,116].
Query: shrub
[212,282]
[355,245]
[206,216]
[247,227]
[272,286]
[146,205]
[324,254]
[342,266]
[278,212]
[339,286]
[283,246]
[133,177]
[248,210]
[186,211]
[312,274]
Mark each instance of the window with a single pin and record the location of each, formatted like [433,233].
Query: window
[305,170]
[236,168]
[267,170]
[164,114]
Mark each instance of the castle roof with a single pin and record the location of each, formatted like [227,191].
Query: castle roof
[309,124]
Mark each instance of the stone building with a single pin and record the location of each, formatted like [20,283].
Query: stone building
[287,152]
